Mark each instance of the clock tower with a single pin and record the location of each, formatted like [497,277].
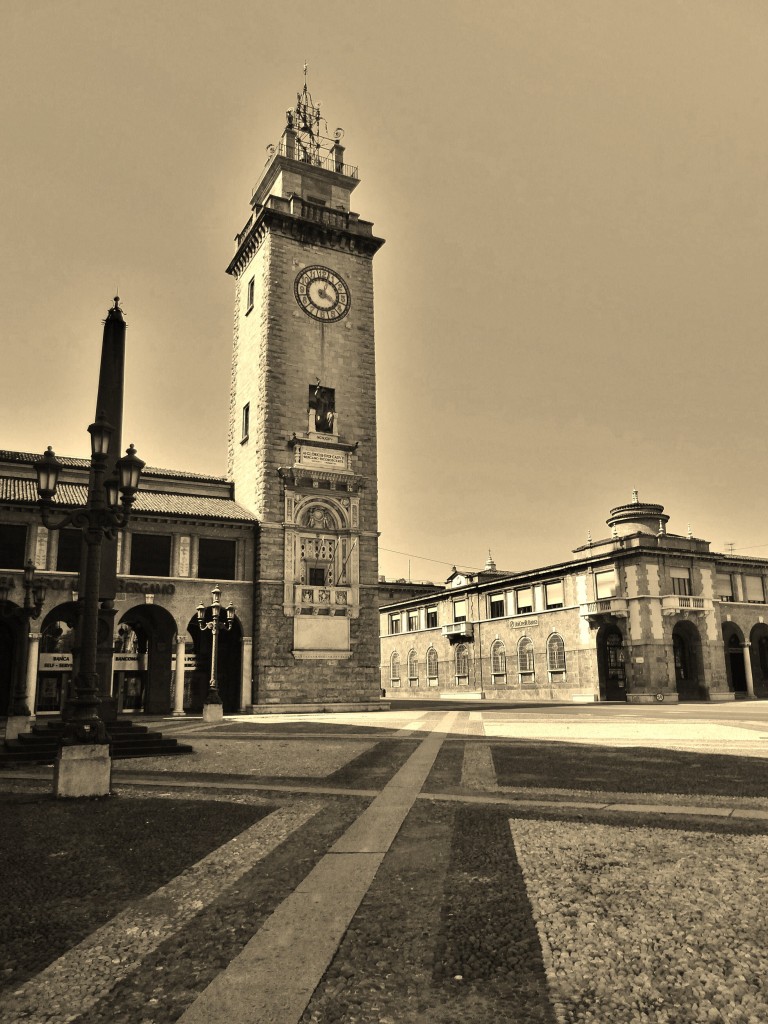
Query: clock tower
[302,426]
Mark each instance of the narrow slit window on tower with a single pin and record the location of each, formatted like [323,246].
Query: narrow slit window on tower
[246,421]
[322,401]
[251,292]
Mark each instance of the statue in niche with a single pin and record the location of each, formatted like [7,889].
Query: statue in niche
[323,402]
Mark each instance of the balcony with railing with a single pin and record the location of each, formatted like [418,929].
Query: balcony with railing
[457,631]
[296,151]
[322,600]
[675,604]
[603,609]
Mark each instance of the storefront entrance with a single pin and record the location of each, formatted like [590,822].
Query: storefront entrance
[686,651]
[610,663]
[142,669]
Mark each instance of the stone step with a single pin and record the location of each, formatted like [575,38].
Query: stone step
[127,740]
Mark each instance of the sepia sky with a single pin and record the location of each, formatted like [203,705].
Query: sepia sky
[572,300]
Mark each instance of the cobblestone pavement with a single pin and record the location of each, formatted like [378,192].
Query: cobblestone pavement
[401,853]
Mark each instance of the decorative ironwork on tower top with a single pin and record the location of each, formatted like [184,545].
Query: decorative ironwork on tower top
[307,138]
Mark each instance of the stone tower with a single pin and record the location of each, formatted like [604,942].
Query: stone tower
[302,428]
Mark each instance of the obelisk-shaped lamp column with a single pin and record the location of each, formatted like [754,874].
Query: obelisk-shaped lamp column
[213,710]
[77,771]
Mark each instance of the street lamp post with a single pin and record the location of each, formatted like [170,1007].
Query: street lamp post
[19,714]
[100,518]
[213,710]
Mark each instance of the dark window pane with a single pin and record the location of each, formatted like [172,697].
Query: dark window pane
[216,559]
[316,577]
[13,543]
[150,554]
[68,558]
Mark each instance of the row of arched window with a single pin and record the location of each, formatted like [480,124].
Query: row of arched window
[526,661]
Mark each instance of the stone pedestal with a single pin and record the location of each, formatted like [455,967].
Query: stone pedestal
[83,770]
[16,725]
[213,712]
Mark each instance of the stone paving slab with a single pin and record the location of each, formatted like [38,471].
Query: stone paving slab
[87,972]
[273,978]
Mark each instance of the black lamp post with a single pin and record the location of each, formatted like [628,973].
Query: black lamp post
[34,598]
[216,625]
[99,518]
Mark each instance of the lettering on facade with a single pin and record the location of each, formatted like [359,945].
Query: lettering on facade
[134,587]
[524,623]
[320,457]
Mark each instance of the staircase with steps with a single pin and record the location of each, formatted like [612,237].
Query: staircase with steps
[41,745]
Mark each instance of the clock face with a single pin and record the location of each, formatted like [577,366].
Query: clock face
[322,294]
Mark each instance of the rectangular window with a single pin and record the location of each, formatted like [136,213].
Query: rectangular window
[216,559]
[460,611]
[246,421]
[316,576]
[606,584]
[431,618]
[413,621]
[496,605]
[68,557]
[753,589]
[524,600]
[394,623]
[681,581]
[13,546]
[553,593]
[724,586]
[150,554]
[251,291]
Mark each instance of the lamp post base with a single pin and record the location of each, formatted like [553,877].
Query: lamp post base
[213,712]
[16,725]
[83,770]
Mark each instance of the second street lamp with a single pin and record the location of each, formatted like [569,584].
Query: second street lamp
[213,710]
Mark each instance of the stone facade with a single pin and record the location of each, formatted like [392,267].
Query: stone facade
[302,435]
[642,616]
[186,535]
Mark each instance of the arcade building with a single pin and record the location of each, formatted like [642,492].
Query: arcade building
[644,616]
[290,535]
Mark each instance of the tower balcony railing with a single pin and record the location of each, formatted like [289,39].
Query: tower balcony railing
[302,156]
[328,600]
[672,604]
[603,608]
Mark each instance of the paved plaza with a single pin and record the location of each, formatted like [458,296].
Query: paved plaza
[438,862]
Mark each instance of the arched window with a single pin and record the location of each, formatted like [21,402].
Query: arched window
[413,669]
[525,659]
[498,662]
[432,667]
[556,654]
[462,664]
[394,669]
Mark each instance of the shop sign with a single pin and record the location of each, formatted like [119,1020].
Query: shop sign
[190,662]
[125,663]
[524,623]
[55,662]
